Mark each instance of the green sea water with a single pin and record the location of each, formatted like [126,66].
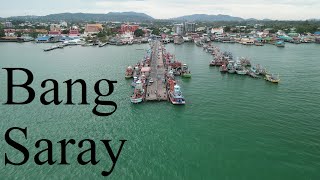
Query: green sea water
[232,127]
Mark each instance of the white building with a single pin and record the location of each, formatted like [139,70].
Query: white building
[217,30]
[63,24]
[178,29]
[8,24]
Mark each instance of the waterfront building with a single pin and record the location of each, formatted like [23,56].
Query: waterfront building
[47,39]
[74,33]
[178,29]
[10,32]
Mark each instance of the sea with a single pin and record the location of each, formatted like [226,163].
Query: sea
[232,127]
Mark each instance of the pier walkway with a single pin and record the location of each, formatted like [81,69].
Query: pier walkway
[156,91]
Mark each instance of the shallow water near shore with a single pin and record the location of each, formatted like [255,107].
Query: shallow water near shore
[232,127]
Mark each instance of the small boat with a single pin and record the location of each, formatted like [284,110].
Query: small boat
[129,73]
[280,44]
[245,61]
[260,70]
[175,94]
[138,94]
[252,74]
[223,68]
[272,78]
[186,73]
[241,70]
[231,68]
[254,70]
[134,82]
[258,43]
[102,44]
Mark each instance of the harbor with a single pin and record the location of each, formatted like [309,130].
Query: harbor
[244,119]
[154,77]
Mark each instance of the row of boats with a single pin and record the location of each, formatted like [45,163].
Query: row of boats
[240,66]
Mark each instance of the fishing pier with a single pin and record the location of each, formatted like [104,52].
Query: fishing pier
[153,77]
[156,91]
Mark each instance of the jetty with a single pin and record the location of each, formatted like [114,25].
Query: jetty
[153,77]
[156,91]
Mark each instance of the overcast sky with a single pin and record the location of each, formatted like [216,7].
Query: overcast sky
[272,9]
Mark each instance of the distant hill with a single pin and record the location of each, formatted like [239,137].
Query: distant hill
[206,17]
[112,16]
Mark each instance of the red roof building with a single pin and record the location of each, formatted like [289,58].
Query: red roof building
[74,33]
[54,33]
[129,28]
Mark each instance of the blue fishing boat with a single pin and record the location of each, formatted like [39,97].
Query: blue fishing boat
[280,44]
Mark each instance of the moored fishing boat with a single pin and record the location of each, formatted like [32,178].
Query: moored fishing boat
[186,73]
[252,74]
[175,94]
[223,68]
[280,44]
[272,78]
[231,68]
[129,73]
[260,70]
[241,70]
[138,94]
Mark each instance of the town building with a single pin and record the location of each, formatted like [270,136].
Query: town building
[55,27]
[8,24]
[91,29]
[126,28]
[178,29]
[189,27]
[74,33]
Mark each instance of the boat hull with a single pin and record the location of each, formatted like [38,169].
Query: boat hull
[241,72]
[136,100]
[186,75]
[174,102]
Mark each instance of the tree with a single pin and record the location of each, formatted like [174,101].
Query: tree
[2,34]
[227,29]
[155,31]
[19,34]
[101,34]
[65,31]
[138,33]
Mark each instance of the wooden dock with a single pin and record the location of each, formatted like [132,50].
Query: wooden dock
[156,91]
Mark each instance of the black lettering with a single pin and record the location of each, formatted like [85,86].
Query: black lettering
[17,146]
[64,144]
[55,90]
[104,103]
[49,153]
[25,86]
[112,156]
[69,91]
[92,151]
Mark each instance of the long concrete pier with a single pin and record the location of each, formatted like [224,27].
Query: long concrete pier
[156,91]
